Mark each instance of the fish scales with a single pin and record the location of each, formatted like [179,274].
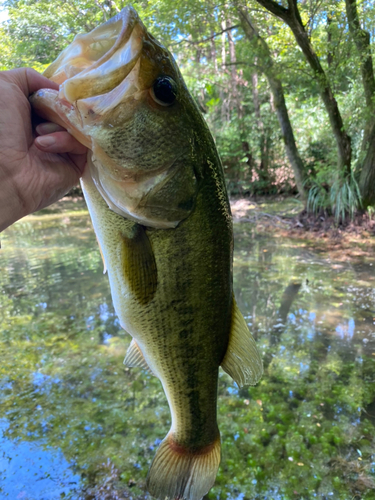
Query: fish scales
[156,194]
[169,332]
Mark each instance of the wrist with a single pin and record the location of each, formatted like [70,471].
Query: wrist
[11,207]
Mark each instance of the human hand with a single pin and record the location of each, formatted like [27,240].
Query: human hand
[34,172]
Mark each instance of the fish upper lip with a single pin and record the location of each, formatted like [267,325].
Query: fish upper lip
[97,62]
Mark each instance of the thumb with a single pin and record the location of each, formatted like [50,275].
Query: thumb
[29,80]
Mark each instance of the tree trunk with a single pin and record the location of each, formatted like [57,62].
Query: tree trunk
[260,124]
[266,65]
[264,166]
[367,177]
[213,53]
[234,75]
[292,18]
[249,156]
[223,51]
[329,41]
[361,39]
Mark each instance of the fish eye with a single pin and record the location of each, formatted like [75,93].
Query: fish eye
[164,90]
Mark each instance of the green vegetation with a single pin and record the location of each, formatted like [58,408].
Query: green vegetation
[306,431]
[287,88]
[344,198]
[261,73]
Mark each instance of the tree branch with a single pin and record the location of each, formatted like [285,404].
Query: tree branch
[101,7]
[185,40]
[237,63]
[275,9]
[267,66]
[293,19]
[362,41]
[294,12]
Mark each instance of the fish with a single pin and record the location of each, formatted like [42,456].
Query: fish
[155,191]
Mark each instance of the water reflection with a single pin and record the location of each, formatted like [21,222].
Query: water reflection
[306,431]
[33,470]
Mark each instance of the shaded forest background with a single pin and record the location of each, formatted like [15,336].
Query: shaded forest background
[287,88]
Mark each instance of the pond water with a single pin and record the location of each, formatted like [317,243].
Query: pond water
[76,423]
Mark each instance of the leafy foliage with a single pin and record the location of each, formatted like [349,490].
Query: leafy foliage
[224,73]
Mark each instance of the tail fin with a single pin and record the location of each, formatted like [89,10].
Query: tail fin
[177,473]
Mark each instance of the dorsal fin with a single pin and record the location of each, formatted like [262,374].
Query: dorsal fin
[242,360]
[134,357]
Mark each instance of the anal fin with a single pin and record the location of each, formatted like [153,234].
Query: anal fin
[134,357]
[242,360]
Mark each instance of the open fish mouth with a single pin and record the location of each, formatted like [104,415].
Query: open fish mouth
[95,72]
[97,62]
[106,100]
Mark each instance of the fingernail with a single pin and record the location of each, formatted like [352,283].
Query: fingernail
[46,141]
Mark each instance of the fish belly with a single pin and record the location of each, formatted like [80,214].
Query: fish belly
[172,292]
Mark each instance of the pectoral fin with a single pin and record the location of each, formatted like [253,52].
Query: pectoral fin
[135,359]
[138,264]
[242,360]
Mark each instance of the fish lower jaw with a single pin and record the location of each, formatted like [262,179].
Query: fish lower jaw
[48,105]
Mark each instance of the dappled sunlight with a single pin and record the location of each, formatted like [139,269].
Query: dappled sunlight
[241,207]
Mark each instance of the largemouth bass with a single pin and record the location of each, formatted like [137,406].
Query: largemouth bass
[155,191]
